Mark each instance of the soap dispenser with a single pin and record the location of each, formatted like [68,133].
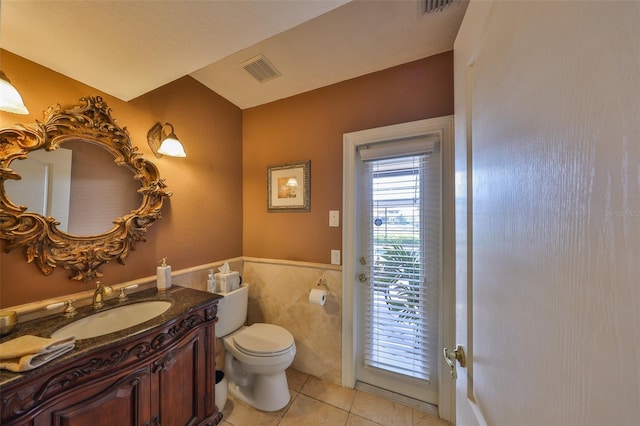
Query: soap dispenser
[163,281]
[210,282]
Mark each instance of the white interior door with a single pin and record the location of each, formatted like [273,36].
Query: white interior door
[45,184]
[468,411]
[548,208]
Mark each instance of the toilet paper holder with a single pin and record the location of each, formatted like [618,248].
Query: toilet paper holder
[322,282]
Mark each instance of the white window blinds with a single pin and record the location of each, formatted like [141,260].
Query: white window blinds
[404,257]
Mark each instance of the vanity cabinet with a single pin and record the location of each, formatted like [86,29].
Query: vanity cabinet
[118,400]
[165,376]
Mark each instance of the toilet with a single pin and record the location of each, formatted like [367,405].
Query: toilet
[256,356]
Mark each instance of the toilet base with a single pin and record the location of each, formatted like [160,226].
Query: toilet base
[268,392]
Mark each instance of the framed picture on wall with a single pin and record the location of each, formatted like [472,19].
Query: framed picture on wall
[289,187]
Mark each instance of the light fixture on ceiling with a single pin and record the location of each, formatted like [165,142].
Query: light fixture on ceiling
[10,99]
[164,143]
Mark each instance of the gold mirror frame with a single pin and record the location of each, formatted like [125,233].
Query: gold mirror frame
[43,242]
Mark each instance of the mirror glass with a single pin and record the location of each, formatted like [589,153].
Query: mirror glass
[79,184]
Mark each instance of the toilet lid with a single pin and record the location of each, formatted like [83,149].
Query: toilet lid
[263,339]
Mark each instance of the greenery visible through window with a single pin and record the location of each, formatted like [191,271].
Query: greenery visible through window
[397,266]
[403,286]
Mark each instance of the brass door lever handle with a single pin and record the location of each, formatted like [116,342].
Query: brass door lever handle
[451,356]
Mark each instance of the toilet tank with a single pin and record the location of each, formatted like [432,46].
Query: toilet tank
[232,310]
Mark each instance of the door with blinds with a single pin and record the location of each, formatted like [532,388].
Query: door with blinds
[399,211]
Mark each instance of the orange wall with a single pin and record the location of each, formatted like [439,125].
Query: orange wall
[310,127]
[201,221]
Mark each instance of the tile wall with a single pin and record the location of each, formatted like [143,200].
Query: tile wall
[279,294]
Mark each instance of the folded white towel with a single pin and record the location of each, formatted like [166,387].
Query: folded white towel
[27,352]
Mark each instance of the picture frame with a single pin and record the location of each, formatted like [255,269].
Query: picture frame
[289,187]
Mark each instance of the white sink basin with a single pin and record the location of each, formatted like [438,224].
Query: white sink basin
[113,320]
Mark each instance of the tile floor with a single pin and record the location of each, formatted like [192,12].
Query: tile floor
[315,402]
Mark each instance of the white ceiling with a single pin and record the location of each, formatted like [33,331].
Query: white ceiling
[128,48]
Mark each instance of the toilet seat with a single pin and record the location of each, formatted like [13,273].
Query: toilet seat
[263,340]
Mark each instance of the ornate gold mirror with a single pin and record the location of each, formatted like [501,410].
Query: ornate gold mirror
[81,212]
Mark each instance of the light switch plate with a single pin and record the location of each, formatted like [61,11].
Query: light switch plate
[334,218]
[335,257]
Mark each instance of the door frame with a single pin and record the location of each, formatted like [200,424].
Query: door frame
[443,128]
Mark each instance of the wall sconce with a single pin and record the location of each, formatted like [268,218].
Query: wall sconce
[10,99]
[163,143]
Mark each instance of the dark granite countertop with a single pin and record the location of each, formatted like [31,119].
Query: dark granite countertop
[183,300]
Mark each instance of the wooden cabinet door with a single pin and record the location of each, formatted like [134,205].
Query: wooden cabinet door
[179,381]
[112,401]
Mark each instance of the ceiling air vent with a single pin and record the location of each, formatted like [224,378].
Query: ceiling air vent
[429,6]
[260,68]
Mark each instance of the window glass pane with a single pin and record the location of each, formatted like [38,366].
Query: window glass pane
[400,306]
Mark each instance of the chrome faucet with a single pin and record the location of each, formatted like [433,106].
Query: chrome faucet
[99,295]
